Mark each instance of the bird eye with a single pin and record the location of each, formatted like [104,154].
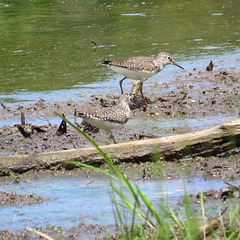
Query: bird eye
[169,58]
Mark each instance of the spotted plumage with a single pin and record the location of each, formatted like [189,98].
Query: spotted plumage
[140,68]
[111,118]
[136,63]
[107,114]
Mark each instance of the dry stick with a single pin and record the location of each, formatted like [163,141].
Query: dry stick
[201,143]
[232,185]
[77,124]
[90,183]
[23,132]
[23,120]
[39,233]
[44,116]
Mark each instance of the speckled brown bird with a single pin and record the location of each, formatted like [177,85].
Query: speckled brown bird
[111,118]
[140,68]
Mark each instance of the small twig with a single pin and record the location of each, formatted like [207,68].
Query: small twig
[46,119]
[39,233]
[90,183]
[77,124]
[3,105]
[232,185]
[95,45]
[23,120]
[144,174]
[37,129]
[224,210]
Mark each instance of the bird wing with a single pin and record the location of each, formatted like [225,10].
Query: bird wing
[106,114]
[135,63]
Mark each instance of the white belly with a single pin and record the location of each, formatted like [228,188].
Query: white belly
[135,75]
[104,125]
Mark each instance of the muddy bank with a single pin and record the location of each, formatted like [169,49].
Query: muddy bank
[204,143]
[82,231]
[95,231]
[196,94]
[11,199]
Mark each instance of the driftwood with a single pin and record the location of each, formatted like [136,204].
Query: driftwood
[200,143]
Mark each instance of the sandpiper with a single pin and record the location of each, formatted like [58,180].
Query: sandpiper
[111,118]
[140,69]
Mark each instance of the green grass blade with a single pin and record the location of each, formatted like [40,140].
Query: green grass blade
[128,205]
[222,225]
[203,213]
[85,136]
[107,159]
[170,214]
[181,227]
[93,168]
[233,215]
[14,176]
[148,205]
[130,188]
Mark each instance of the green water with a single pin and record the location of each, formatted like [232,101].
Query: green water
[46,46]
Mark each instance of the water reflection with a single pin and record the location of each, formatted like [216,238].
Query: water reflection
[46,46]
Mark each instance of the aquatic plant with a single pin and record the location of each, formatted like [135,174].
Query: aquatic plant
[161,223]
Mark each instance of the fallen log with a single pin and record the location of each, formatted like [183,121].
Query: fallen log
[200,143]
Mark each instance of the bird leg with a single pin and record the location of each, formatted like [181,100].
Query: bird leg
[112,137]
[120,83]
[135,87]
[144,100]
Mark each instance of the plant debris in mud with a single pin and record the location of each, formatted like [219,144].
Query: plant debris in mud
[198,94]
[14,199]
[82,231]
[222,195]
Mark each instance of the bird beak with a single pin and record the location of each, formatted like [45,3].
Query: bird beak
[176,65]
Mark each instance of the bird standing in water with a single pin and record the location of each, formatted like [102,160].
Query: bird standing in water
[111,118]
[140,69]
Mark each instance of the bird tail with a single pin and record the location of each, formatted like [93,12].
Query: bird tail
[106,62]
[81,115]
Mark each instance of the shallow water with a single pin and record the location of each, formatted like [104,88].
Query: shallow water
[69,201]
[46,51]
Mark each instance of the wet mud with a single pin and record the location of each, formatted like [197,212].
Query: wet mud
[13,199]
[197,94]
[223,195]
[82,231]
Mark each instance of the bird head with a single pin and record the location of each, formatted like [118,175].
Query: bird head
[165,59]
